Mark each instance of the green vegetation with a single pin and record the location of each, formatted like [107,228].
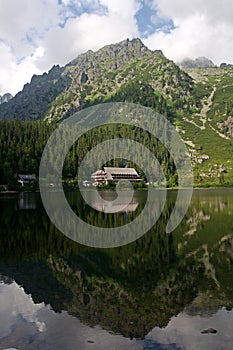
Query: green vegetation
[198,101]
[21,147]
[133,288]
[22,144]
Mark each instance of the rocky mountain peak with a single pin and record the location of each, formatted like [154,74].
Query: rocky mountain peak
[96,76]
[122,51]
[199,62]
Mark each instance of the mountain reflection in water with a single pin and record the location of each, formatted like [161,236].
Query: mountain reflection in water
[161,291]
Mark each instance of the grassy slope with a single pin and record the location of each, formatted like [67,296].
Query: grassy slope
[213,140]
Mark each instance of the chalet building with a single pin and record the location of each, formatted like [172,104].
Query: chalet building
[26,179]
[102,177]
[99,178]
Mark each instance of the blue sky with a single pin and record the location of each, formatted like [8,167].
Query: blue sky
[35,35]
[149,21]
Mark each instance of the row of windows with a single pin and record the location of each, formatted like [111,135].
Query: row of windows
[117,176]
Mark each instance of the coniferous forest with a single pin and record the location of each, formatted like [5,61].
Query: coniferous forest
[22,144]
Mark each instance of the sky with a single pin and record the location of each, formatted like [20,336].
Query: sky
[29,325]
[25,320]
[36,34]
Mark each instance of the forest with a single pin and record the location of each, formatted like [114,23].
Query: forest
[22,144]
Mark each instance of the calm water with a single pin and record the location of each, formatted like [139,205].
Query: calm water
[163,291]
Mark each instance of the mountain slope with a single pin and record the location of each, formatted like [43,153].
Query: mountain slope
[96,76]
[198,100]
[32,102]
[208,133]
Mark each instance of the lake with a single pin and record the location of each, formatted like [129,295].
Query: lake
[163,291]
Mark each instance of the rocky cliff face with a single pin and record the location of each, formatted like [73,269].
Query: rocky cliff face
[32,102]
[96,76]
[197,100]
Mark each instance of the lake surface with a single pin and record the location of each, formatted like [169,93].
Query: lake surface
[162,291]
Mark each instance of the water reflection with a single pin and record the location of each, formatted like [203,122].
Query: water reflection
[27,201]
[134,291]
[185,332]
[28,325]
[110,205]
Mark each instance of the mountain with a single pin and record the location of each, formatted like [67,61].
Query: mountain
[198,101]
[96,76]
[200,62]
[32,102]
[5,98]
[131,289]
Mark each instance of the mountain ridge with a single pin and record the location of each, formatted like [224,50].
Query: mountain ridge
[198,101]
[199,62]
[91,76]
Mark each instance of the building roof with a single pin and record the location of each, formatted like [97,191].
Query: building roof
[24,177]
[121,171]
[99,172]
[116,174]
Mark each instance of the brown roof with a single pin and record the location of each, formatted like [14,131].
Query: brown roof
[121,171]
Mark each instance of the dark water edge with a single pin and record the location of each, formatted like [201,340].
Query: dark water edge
[159,292]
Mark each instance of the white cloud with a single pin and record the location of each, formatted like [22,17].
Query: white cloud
[215,10]
[15,305]
[22,319]
[59,31]
[185,331]
[14,75]
[125,9]
[202,28]
[22,22]
[89,31]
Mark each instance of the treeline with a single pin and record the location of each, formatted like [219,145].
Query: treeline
[64,274]
[21,147]
[22,144]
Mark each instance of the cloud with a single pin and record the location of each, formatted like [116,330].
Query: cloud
[23,22]
[17,306]
[185,331]
[40,34]
[214,10]
[35,35]
[89,31]
[202,28]
[15,74]
[125,9]
[25,320]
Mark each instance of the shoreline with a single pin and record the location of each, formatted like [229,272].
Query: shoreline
[144,189]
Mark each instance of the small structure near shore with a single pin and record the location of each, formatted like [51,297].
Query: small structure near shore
[26,179]
[102,177]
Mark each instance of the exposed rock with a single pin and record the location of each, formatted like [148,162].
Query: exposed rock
[84,78]
[33,101]
[200,62]
[209,331]
[224,65]
[228,124]
[223,170]
[94,76]
[202,158]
